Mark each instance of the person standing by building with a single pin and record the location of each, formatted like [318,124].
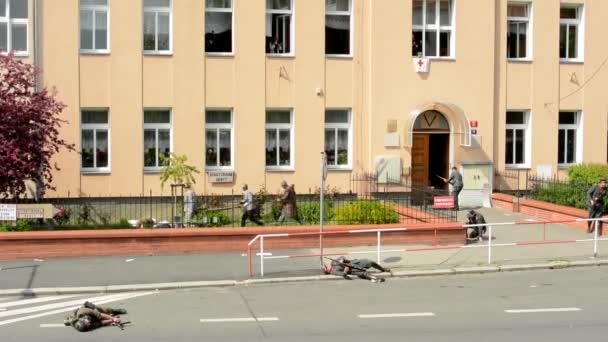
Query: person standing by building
[189,204]
[250,210]
[595,203]
[456,181]
[289,207]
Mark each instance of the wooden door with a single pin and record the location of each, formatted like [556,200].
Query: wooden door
[420,159]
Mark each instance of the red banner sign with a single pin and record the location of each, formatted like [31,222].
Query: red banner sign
[443,202]
[474,123]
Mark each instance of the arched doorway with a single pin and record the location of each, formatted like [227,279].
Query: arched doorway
[430,149]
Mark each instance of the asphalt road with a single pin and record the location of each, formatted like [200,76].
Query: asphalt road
[556,305]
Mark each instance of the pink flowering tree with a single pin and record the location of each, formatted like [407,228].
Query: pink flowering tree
[29,129]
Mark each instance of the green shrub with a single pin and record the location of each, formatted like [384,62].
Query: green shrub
[21,225]
[572,193]
[215,218]
[310,212]
[375,212]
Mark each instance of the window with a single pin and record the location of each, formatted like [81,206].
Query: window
[278,139]
[338,27]
[157,26]
[279,26]
[337,138]
[218,26]
[518,25]
[516,138]
[218,139]
[13,26]
[432,34]
[570,32]
[94,140]
[94,25]
[157,138]
[567,137]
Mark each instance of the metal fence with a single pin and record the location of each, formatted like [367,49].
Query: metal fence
[369,201]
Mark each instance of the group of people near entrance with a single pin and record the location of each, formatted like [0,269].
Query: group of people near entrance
[289,208]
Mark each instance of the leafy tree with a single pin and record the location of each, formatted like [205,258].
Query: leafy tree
[176,169]
[29,128]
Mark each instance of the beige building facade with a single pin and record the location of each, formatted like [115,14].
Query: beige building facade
[253,90]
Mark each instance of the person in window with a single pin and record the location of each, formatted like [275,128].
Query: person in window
[595,204]
[416,47]
[275,46]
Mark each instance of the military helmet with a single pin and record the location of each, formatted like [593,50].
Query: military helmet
[80,324]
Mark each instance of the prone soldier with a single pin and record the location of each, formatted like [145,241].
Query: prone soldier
[359,267]
[90,316]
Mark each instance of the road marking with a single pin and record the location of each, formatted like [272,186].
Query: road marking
[69,306]
[35,300]
[244,319]
[54,325]
[395,315]
[543,310]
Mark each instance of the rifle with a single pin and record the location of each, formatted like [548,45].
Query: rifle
[345,264]
[443,179]
[365,273]
[121,325]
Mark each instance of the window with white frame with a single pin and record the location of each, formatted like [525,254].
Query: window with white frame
[13,26]
[218,26]
[94,25]
[433,28]
[337,138]
[279,26]
[157,26]
[518,30]
[570,31]
[218,139]
[568,137]
[94,140]
[338,27]
[157,138]
[279,151]
[516,137]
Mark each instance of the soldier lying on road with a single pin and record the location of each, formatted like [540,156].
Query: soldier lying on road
[359,267]
[90,316]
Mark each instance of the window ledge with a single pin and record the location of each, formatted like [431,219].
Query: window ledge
[571,61]
[519,60]
[158,53]
[280,55]
[152,170]
[219,54]
[94,52]
[95,171]
[16,54]
[335,56]
[280,169]
[230,168]
[339,168]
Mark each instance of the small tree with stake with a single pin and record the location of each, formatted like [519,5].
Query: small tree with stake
[29,129]
[180,173]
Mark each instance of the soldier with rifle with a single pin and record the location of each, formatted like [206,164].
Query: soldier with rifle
[358,267]
[90,316]
[595,204]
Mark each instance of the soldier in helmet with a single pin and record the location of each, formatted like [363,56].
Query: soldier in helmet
[90,316]
[595,204]
[475,217]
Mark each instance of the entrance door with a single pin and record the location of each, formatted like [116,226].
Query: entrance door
[420,159]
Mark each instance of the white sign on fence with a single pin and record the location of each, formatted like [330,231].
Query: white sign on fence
[8,212]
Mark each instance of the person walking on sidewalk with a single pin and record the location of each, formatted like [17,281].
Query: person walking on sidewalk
[343,267]
[456,181]
[595,203]
[250,209]
[90,316]
[289,208]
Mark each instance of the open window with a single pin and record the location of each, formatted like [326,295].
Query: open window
[279,26]
[218,26]
[338,27]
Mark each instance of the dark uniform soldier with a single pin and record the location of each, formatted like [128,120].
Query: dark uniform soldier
[595,203]
[344,268]
[456,181]
[475,217]
[90,316]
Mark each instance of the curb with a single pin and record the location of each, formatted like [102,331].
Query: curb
[228,283]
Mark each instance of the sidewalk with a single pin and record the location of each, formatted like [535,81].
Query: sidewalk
[172,270]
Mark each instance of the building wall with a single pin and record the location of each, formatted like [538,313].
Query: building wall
[378,83]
